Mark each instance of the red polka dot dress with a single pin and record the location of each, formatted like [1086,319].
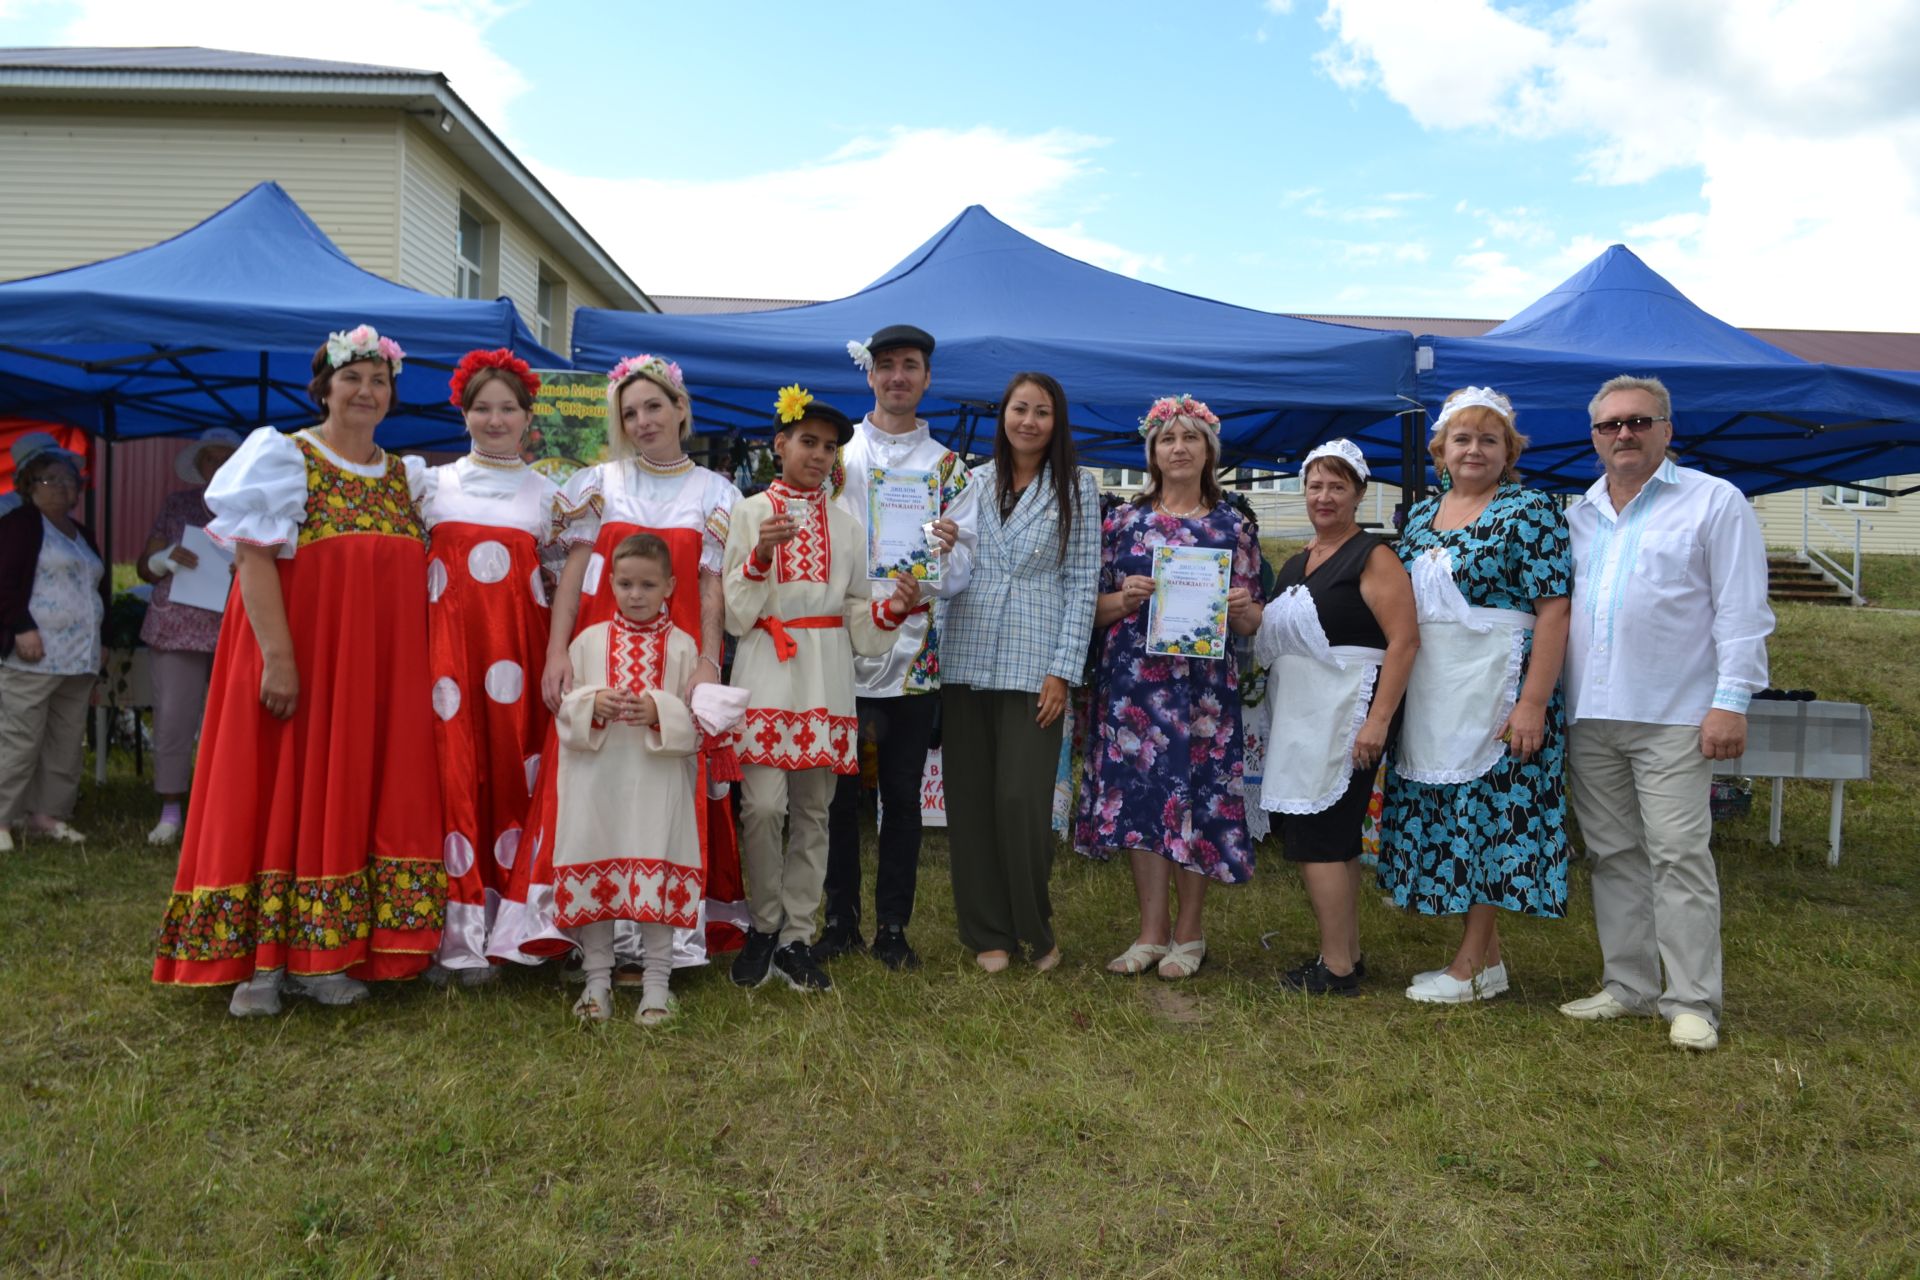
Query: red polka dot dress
[489,519]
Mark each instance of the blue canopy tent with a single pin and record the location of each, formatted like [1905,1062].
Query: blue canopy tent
[998,302]
[1743,409]
[217,327]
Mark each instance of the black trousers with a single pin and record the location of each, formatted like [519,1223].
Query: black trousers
[902,730]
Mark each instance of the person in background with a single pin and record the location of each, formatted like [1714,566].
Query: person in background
[180,637]
[50,616]
[1163,766]
[1475,818]
[311,861]
[1338,642]
[1015,642]
[489,517]
[24,446]
[799,600]
[1668,645]
[896,690]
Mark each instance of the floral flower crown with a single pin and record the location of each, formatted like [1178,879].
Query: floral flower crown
[650,366]
[362,343]
[502,359]
[1167,408]
[792,403]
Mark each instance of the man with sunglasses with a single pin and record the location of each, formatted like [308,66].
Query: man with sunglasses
[1668,644]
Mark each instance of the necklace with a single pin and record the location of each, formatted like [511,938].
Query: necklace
[679,466]
[1460,518]
[498,461]
[1317,552]
[1161,505]
[320,434]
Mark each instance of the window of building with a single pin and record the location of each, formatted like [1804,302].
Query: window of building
[1265,481]
[1122,478]
[468,252]
[550,305]
[1843,495]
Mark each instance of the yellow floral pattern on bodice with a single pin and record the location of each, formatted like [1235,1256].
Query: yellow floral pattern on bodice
[341,502]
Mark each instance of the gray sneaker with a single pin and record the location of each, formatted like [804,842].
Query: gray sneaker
[327,988]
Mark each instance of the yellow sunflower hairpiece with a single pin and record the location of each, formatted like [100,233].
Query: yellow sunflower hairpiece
[792,403]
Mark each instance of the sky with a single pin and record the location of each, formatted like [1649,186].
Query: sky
[1376,157]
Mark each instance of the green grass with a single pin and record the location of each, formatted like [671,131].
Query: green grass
[1892,582]
[949,1123]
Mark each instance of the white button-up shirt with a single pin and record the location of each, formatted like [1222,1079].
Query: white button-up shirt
[1670,612]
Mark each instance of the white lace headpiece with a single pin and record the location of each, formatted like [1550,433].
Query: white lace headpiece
[1345,450]
[1474,398]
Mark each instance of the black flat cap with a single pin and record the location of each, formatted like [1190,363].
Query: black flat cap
[820,411]
[902,335]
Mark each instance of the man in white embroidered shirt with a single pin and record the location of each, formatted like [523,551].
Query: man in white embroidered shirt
[1668,644]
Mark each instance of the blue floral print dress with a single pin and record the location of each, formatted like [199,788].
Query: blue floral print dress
[1502,837]
[1163,749]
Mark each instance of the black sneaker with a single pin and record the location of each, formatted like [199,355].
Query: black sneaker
[891,948]
[837,940]
[1314,979]
[755,961]
[794,962]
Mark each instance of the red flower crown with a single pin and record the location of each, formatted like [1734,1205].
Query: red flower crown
[501,358]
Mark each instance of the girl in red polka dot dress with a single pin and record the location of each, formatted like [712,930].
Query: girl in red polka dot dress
[490,519]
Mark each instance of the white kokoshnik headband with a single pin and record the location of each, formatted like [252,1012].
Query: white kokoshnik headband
[1345,450]
[1474,398]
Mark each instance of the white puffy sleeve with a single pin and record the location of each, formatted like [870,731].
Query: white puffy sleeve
[548,501]
[421,480]
[259,495]
[577,507]
[719,518]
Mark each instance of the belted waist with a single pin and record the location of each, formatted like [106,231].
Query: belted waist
[784,645]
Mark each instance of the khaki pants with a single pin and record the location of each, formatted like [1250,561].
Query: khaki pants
[1640,792]
[43,725]
[179,701]
[783,890]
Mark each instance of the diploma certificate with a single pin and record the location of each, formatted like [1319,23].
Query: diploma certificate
[899,505]
[1188,615]
[205,585]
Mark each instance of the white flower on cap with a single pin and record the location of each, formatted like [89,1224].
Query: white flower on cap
[1345,450]
[861,355]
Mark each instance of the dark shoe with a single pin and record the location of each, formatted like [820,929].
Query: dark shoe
[891,948]
[755,961]
[794,962]
[837,940]
[1313,978]
[1360,969]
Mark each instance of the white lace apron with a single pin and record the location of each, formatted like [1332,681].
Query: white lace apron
[1318,696]
[1465,679]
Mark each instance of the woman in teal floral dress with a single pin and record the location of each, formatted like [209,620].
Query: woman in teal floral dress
[1163,759]
[1480,825]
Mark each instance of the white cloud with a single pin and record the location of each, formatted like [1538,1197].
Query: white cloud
[824,229]
[448,36]
[1801,116]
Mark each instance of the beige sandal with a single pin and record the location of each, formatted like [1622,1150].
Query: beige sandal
[993,961]
[596,1002]
[652,1015]
[1048,962]
[1183,959]
[1136,959]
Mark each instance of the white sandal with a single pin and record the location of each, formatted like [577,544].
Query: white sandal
[1136,959]
[1183,959]
[596,1002]
[652,1015]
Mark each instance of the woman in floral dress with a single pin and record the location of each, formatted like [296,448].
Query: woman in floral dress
[1476,810]
[1163,766]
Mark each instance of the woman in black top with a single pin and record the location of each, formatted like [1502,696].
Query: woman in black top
[1339,640]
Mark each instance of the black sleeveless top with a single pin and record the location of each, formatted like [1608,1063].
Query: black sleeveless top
[1335,588]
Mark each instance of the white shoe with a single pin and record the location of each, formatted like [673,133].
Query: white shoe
[1691,1031]
[328,988]
[164,833]
[1598,1007]
[596,1002]
[1444,988]
[6,840]
[258,997]
[56,830]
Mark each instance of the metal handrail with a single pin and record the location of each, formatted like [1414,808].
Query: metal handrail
[1820,560]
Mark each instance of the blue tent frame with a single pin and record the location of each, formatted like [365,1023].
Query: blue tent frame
[1745,410]
[997,303]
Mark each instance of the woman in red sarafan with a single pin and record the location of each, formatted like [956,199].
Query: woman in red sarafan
[311,860]
[489,518]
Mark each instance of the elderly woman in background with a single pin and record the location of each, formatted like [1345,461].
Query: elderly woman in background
[180,637]
[50,615]
[1163,765]
[312,853]
[1013,643]
[1475,818]
[1338,641]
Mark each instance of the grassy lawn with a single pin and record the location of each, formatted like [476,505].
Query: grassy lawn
[1892,582]
[949,1123]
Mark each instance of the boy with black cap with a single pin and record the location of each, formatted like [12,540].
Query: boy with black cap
[896,710]
[797,595]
